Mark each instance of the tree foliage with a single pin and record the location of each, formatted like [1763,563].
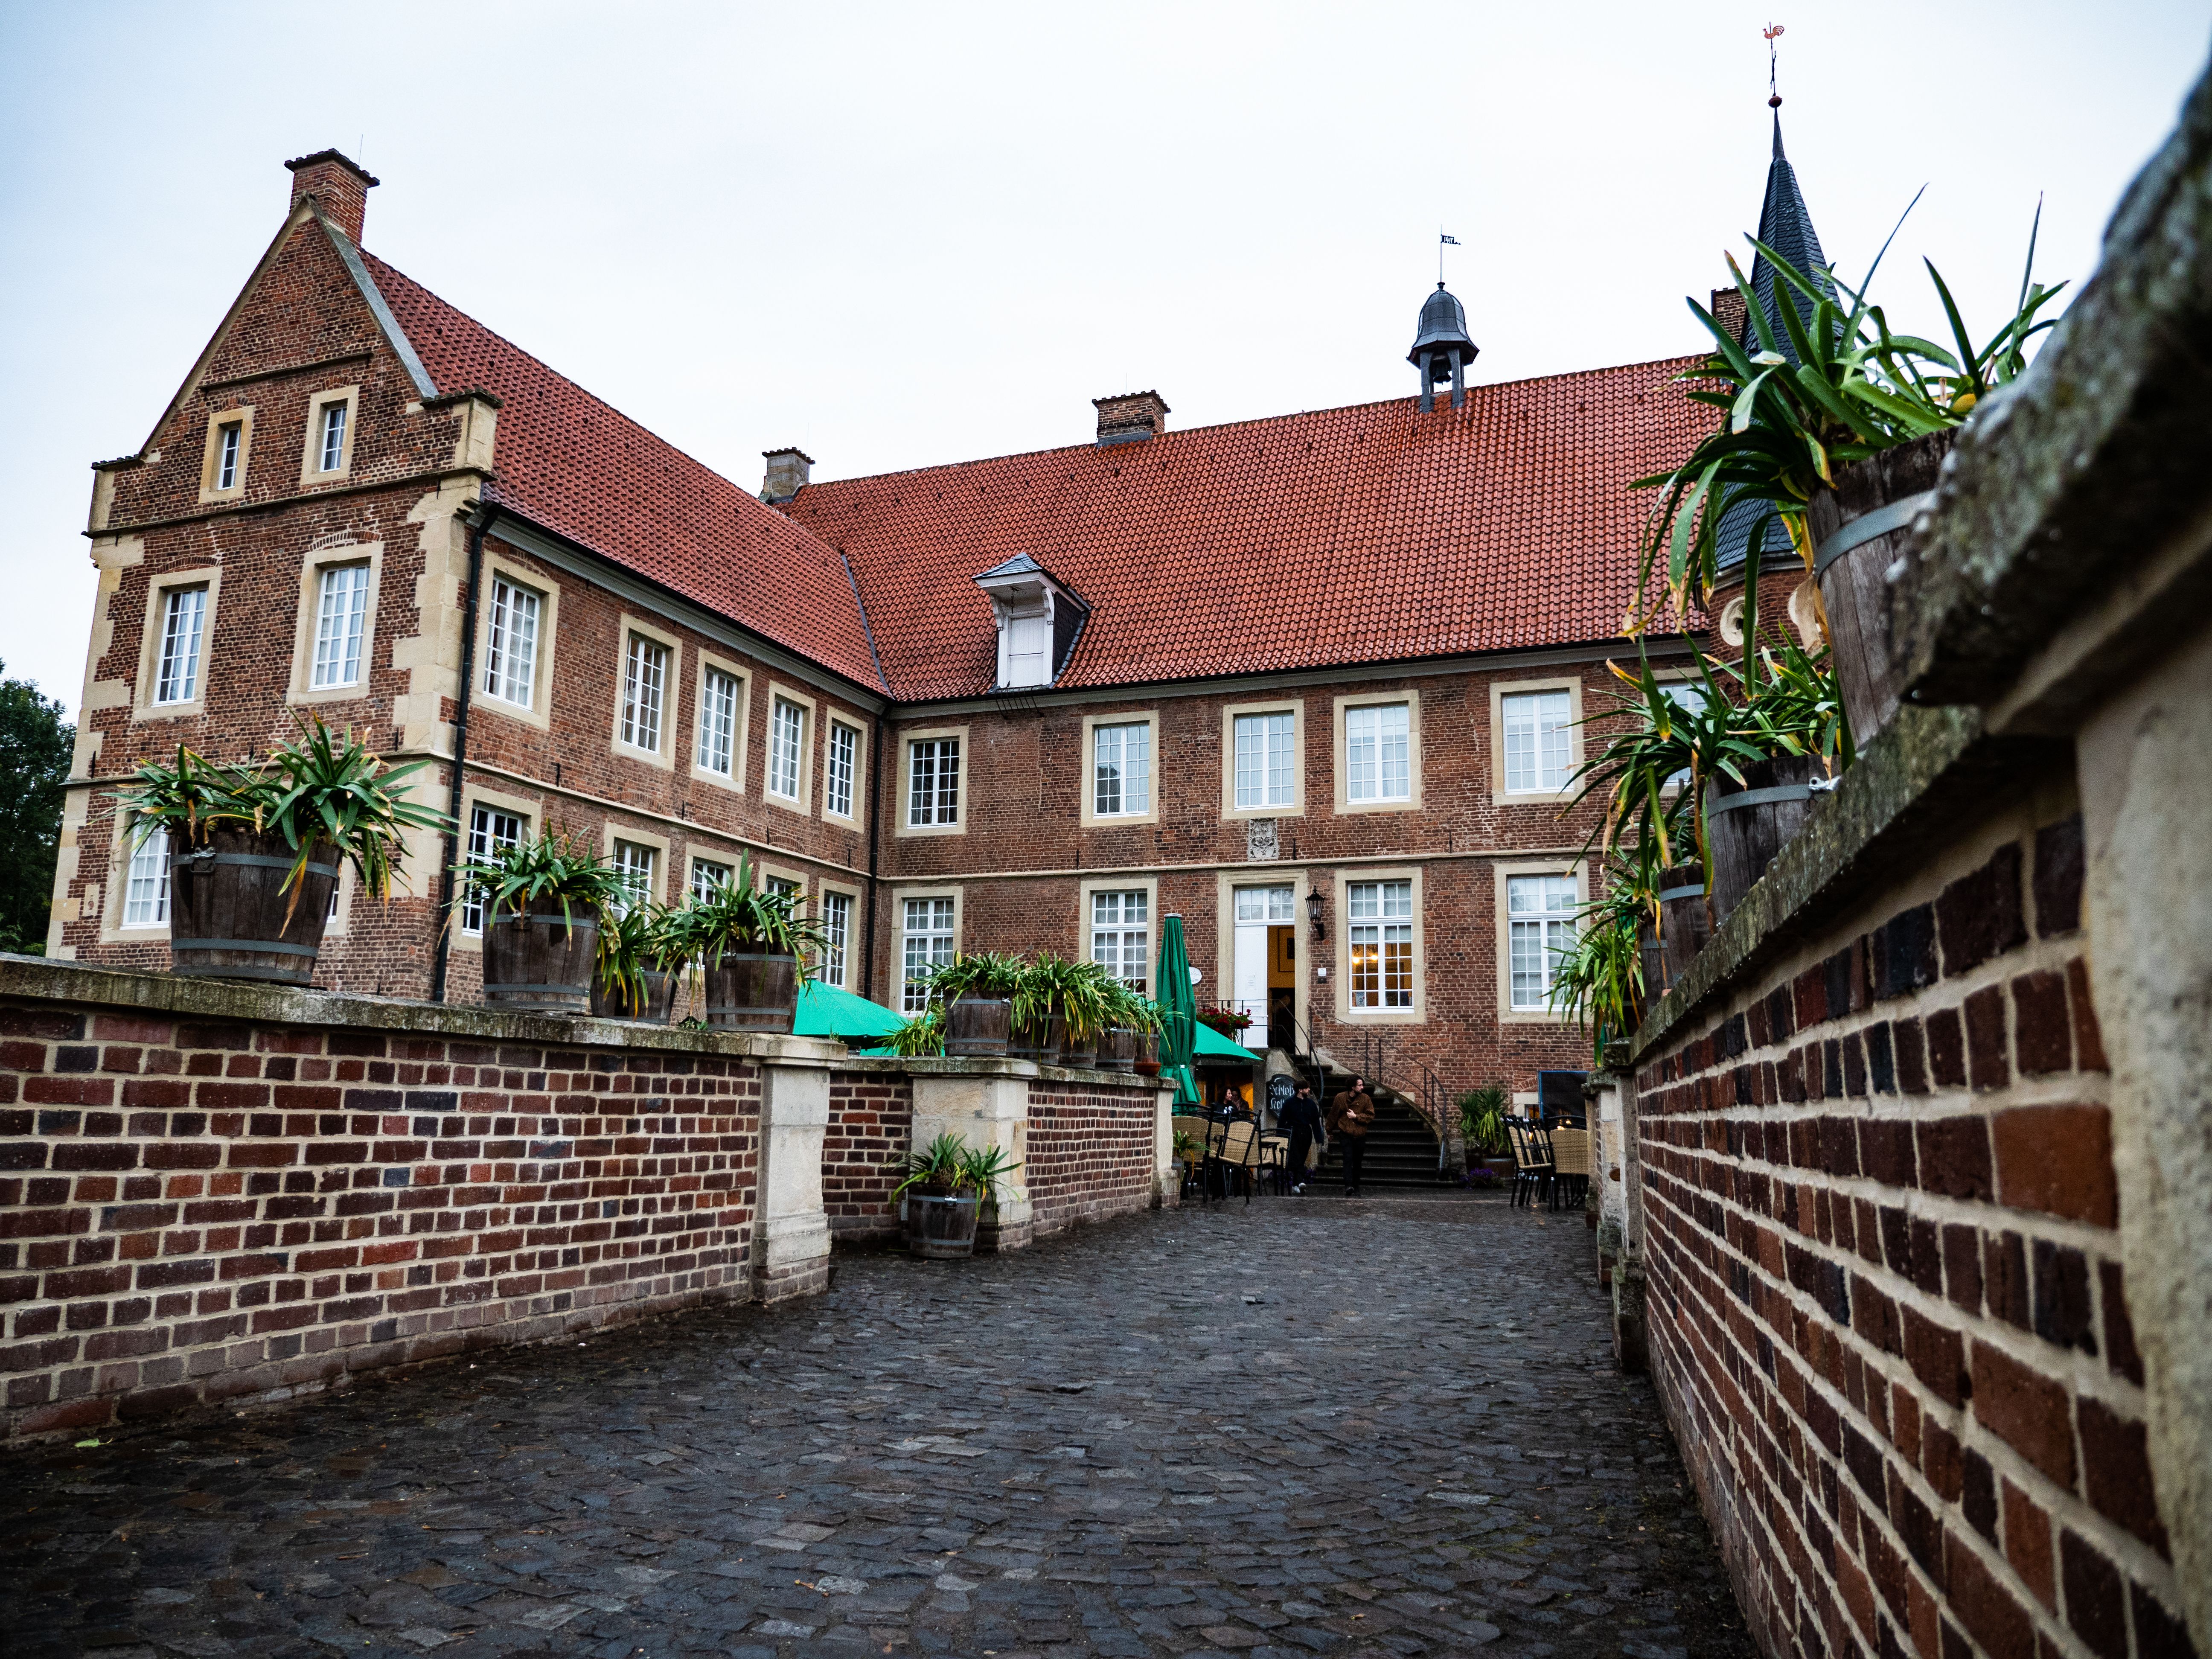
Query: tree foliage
[36,745]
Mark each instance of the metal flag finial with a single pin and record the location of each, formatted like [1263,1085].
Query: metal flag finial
[1770,32]
[1443,242]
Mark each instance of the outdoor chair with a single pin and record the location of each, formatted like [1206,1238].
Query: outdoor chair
[1532,1162]
[1239,1152]
[1274,1159]
[1571,1164]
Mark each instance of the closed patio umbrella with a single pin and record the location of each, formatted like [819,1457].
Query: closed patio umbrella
[1178,1013]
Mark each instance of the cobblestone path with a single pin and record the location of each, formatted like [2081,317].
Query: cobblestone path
[1383,1428]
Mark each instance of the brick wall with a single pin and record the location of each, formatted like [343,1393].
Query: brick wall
[1090,1153]
[193,1210]
[870,1127]
[1886,1311]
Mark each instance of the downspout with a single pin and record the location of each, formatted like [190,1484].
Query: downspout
[875,839]
[460,749]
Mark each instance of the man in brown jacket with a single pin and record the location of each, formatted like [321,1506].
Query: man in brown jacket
[1349,1114]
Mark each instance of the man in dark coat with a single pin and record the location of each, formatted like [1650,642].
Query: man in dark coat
[1349,1116]
[1301,1115]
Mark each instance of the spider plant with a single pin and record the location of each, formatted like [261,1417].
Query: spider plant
[1834,386]
[551,867]
[738,918]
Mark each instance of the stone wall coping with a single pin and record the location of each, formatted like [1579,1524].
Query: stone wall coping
[991,1065]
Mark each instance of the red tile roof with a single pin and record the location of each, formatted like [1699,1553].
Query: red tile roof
[1369,534]
[572,463]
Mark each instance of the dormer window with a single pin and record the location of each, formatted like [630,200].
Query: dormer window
[1039,620]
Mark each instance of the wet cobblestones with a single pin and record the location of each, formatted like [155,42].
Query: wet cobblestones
[1387,1428]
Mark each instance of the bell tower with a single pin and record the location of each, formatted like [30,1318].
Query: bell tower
[1441,349]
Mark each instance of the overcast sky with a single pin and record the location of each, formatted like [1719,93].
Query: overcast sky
[901,234]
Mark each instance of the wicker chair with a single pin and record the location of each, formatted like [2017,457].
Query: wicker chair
[1571,1163]
[1531,1161]
[1238,1149]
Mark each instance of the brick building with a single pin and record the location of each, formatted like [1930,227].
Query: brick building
[1313,682]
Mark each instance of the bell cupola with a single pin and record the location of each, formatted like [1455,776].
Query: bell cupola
[1442,349]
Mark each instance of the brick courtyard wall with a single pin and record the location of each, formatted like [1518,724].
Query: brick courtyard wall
[870,1127]
[1090,1151]
[1885,1307]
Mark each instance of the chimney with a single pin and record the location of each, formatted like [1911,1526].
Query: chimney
[1130,418]
[789,471]
[1728,310]
[337,184]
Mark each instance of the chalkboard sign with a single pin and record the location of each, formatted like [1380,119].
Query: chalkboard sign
[1280,1088]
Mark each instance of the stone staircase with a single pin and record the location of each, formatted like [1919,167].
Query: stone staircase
[1401,1147]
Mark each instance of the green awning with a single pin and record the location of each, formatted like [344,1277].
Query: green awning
[1206,1042]
[825,1011]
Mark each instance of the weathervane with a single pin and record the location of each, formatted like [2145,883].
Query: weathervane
[1773,98]
[1443,242]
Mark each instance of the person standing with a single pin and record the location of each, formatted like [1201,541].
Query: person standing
[1349,1116]
[1301,1115]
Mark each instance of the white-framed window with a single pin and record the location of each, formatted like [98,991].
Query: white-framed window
[844,755]
[718,722]
[330,451]
[1121,935]
[184,616]
[1121,771]
[511,643]
[787,745]
[229,449]
[490,829]
[645,690]
[1273,905]
[933,781]
[1377,752]
[1265,765]
[1687,694]
[1540,921]
[708,876]
[926,943]
[836,933]
[1539,741]
[1381,917]
[782,884]
[341,620]
[146,887]
[637,865]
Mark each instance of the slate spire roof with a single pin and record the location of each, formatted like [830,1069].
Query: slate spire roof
[1786,226]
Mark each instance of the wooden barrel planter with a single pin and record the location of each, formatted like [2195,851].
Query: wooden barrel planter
[1084,1055]
[1858,530]
[1028,1042]
[1117,1049]
[979,1025]
[751,993]
[543,963]
[1054,1052]
[659,1007]
[1746,825]
[1685,921]
[230,916]
[940,1227]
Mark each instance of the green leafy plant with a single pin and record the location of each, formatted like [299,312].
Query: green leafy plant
[1130,1009]
[1482,1118]
[318,787]
[1187,1146]
[552,867]
[739,918]
[982,1168]
[1834,387]
[1051,984]
[941,1167]
[1598,981]
[1227,1021]
[992,974]
[635,940]
[923,1034]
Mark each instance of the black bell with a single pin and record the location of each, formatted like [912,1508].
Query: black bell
[1441,347]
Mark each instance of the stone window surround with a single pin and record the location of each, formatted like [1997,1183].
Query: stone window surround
[808,728]
[540,713]
[533,813]
[1224,916]
[242,417]
[907,740]
[112,899]
[310,452]
[740,720]
[143,707]
[694,856]
[896,994]
[671,684]
[1346,1013]
[1344,705]
[301,692]
[1501,690]
[1150,888]
[1296,708]
[857,816]
[1087,800]
[1499,870]
[855,925]
[799,878]
[661,863]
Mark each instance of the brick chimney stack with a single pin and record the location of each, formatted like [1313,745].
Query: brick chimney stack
[1130,418]
[789,471]
[339,185]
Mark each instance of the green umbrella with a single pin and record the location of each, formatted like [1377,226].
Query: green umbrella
[1178,1014]
[1208,1043]
[825,1011]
